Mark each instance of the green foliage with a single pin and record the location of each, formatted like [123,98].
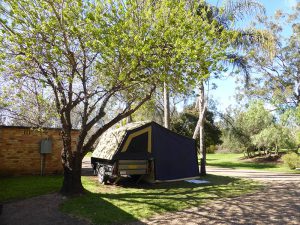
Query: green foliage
[121,205]
[186,121]
[255,118]
[297,138]
[211,149]
[292,160]
[27,103]
[255,128]
[132,36]
[276,78]
[232,142]
[242,125]
[274,137]
[89,57]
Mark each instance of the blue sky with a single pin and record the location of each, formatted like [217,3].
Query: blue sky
[224,94]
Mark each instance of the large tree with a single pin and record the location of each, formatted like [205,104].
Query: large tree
[99,55]
[225,18]
[239,127]
[277,79]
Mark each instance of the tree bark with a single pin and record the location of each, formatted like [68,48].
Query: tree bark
[202,106]
[166,106]
[71,161]
[72,177]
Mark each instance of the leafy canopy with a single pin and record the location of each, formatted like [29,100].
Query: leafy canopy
[276,79]
[80,51]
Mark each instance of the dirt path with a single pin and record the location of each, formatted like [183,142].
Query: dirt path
[278,203]
[41,210]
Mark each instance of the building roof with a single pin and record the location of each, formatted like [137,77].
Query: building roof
[110,140]
[28,127]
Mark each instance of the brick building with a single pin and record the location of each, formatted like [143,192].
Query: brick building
[20,150]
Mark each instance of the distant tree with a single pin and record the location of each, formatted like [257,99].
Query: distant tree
[274,138]
[277,79]
[25,103]
[255,118]
[186,121]
[233,136]
[239,128]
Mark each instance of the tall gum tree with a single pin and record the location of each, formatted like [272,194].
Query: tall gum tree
[90,54]
[224,18]
[277,79]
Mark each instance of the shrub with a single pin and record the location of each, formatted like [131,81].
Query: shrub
[211,149]
[292,160]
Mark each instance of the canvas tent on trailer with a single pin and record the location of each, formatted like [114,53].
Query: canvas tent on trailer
[148,149]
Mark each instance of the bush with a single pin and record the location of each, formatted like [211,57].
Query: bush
[211,149]
[292,160]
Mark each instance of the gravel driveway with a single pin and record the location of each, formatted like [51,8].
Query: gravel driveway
[278,203]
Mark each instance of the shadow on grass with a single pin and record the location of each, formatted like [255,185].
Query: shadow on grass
[126,203]
[95,209]
[213,179]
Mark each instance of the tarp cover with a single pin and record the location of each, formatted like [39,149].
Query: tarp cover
[111,140]
[175,155]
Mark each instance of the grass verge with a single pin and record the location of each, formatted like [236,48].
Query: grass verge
[115,204]
[14,188]
[234,161]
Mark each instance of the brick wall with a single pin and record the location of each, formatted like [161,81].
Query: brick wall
[20,150]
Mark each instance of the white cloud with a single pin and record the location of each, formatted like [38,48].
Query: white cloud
[291,3]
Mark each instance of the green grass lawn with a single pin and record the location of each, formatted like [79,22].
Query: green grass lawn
[114,204]
[234,161]
[14,188]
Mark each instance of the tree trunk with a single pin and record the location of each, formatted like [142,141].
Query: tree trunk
[202,106]
[72,176]
[166,106]
[276,150]
[202,150]
[71,161]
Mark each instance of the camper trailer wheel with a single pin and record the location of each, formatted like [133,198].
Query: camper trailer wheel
[102,178]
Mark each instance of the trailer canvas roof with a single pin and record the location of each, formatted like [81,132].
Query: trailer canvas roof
[112,138]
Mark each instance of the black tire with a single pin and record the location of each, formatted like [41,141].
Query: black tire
[102,178]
